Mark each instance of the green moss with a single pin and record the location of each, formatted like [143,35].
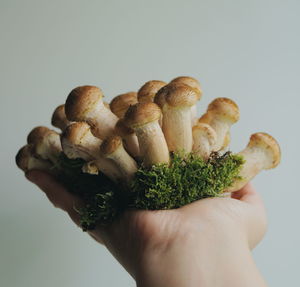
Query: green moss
[162,186]
[184,181]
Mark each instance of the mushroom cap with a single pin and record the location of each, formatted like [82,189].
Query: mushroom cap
[178,95]
[224,107]
[122,130]
[141,114]
[80,101]
[269,144]
[75,132]
[110,145]
[37,134]
[159,98]
[207,131]
[59,118]
[205,118]
[192,82]
[120,104]
[23,156]
[148,91]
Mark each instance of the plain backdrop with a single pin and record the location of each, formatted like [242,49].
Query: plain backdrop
[245,50]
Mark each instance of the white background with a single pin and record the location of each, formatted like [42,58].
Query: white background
[245,50]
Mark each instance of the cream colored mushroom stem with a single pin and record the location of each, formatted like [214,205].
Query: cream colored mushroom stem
[78,142]
[143,119]
[26,160]
[112,148]
[85,104]
[262,152]
[131,142]
[221,114]
[45,143]
[59,119]
[204,138]
[176,101]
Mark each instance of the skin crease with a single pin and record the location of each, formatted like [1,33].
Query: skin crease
[207,243]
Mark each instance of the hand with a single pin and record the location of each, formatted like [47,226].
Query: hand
[206,242]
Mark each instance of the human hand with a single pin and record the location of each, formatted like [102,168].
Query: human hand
[190,244]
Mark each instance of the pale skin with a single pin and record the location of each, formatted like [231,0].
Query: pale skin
[207,243]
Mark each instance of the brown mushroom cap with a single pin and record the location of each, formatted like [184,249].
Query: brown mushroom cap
[80,101]
[37,134]
[120,104]
[141,114]
[59,119]
[192,82]
[122,130]
[110,145]
[148,91]
[22,157]
[226,108]
[177,95]
[269,144]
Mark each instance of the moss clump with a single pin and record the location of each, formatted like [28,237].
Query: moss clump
[162,186]
[184,180]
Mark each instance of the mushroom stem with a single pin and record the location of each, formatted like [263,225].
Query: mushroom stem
[131,142]
[143,119]
[176,101]
[204,138]
[59,119]
[112,148]
[221,114]
[85,104]
[262,152]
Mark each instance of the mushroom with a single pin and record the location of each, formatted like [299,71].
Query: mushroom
[262,152]
[112,148]
[204,138]
[176,101]
[143,119]
[148,91]
[26,160]
[120,104]
[59,119]
[205,119]
[221,114]
[84,104]
[194,83]
[45,143]
[78,142]
[131,142]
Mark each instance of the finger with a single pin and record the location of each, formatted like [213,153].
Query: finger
[247,194]
[56,193]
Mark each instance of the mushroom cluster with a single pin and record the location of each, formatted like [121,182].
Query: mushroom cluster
[146,149]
